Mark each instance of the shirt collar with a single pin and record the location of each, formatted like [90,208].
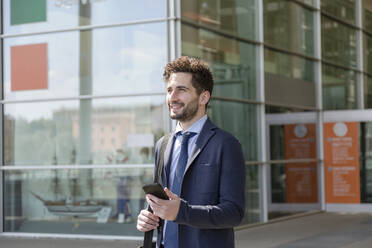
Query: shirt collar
[195,128]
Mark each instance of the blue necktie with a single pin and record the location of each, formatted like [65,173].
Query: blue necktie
[171,230]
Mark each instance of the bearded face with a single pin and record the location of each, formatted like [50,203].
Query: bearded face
[182,98]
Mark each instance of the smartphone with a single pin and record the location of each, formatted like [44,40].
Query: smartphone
[156,190]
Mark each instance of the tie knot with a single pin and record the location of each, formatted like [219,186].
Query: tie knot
[186,136]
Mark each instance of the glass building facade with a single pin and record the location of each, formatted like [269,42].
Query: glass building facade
[83,103]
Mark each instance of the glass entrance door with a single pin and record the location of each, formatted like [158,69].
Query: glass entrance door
[293,171]
[317,165]
[365,139]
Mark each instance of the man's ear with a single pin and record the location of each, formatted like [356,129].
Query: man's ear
[204,97]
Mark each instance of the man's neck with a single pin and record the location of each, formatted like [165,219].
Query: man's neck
[185,125]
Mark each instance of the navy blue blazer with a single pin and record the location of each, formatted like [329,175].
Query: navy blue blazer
[213,190]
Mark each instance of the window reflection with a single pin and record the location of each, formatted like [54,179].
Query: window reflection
[252,197]
[308,2]
[289,26]
[240,120]
[339,88]
[338,43]
[368,92]
[233,63]
[110,61]
[62,66]
[289,79]
[129,59]
[238,17]
[69,132]
[366,161]
[75,201]
[367,15]
[368,53]
[342,9]
[40,15]
[289,66]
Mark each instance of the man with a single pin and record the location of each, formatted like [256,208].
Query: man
[203,174]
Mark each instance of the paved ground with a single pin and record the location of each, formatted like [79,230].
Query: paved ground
[324,230]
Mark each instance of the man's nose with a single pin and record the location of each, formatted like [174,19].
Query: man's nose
[172,96]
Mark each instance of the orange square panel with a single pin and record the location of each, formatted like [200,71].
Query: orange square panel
[29,67]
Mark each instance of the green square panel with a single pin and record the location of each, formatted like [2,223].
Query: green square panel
[27,11]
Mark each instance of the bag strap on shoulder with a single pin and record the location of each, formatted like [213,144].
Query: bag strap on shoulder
[160,161]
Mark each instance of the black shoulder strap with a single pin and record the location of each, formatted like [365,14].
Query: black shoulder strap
[160,161]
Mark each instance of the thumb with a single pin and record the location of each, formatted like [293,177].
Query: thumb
[170,194]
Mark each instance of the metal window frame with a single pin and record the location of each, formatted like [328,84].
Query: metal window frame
[174,45]
[82,97]
[262,135]
[1,125]
[319,105]
[359,55]
[88,27]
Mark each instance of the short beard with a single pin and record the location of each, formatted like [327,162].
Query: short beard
[188,112]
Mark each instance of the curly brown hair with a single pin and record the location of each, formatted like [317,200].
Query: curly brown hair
[202,78]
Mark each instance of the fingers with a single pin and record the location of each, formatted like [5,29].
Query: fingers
[155,204]
[154,199]
[170,194]
[147,221]
[165,209]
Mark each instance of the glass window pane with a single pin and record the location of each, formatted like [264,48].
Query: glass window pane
[129,59]
[293,182]
[75,201]
[252,195]
[367,53]
[342,9]
[289,79]
[339,88]
[308,2]
[234,16]
[365,161]
[368,92]
[289,66]
[233,63]
[289,26]
[282,140]
[98,131]
[338,43]
[21,16]
[239,119]
[58,64]
[367,15]
[108,61]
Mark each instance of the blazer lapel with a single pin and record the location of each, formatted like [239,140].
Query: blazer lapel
[205,134]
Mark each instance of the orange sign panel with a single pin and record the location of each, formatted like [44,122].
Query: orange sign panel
[341,162]
[301,178]
[29,68]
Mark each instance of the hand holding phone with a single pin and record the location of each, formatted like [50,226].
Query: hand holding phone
[155,189]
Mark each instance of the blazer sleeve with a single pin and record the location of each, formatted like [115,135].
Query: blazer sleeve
[230,209]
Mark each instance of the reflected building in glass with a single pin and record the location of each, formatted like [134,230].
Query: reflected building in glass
[84,104]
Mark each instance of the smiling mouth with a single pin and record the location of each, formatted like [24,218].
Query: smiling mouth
[175,106]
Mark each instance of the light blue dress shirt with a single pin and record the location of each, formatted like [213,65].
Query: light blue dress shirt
[196,128]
